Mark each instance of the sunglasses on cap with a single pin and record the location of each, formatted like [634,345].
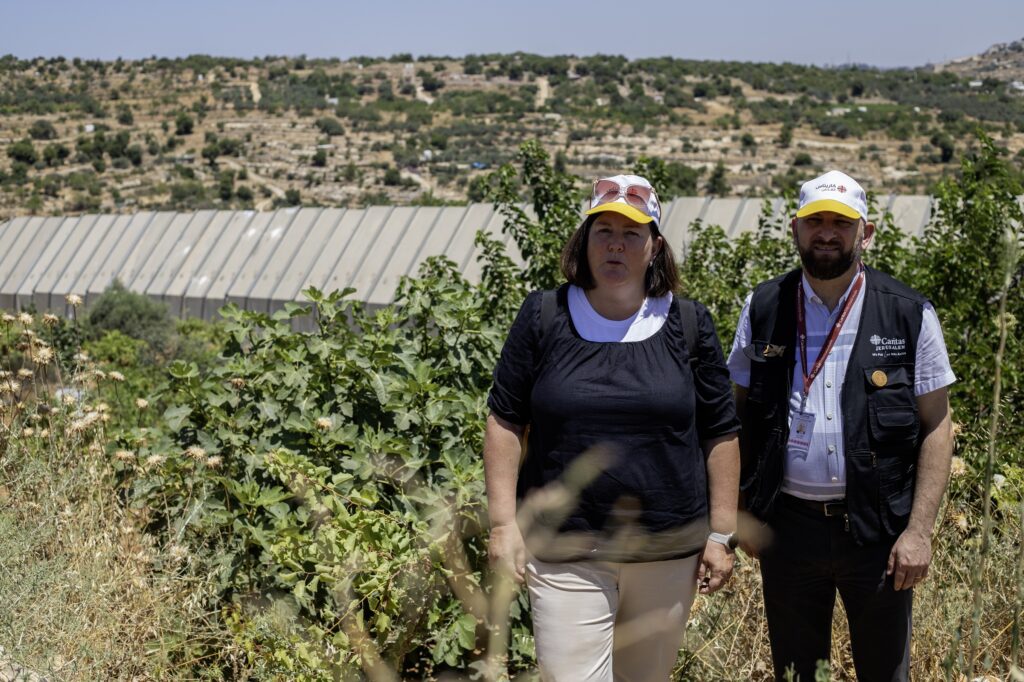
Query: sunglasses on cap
[608,190]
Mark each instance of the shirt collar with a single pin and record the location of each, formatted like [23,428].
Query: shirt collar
[809,294]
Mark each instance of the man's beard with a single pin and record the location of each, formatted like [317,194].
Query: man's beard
[829,267]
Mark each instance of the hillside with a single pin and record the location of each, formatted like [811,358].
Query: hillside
[80,136]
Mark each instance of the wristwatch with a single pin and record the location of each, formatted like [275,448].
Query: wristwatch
[728,539]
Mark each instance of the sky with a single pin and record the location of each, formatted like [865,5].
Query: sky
[881,33]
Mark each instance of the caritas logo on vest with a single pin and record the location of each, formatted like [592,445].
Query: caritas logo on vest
[887,347]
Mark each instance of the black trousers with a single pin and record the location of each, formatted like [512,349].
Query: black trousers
[811,557]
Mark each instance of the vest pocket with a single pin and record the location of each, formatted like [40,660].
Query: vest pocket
[892,409]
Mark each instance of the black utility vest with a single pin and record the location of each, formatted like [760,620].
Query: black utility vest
[881,427]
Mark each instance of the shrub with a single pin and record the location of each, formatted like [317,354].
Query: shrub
[22,151]
[42,130]
[135,315]
[330,126]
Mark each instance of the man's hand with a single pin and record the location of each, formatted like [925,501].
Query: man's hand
[507,551]
[909,559]
[715,567]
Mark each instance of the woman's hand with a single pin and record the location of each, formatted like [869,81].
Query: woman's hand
[715,567]
[507,551]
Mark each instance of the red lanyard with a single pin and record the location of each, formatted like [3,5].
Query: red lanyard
[832,335]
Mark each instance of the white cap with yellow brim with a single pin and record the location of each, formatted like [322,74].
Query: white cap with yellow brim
[834,191]
[630,195]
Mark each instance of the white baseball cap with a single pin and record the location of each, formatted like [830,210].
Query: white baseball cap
[631,195]
[833,191]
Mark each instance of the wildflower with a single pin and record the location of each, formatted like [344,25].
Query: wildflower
[4,374]
[83,424]
[154,460]
[44,355]
[102,407]
[45,433]
[195,452]
[237,383]
[958,467]
[125,455]
[961,523]
[141,403]
[68,399]
[8,319]
[28,432]
[214,461]
[105,417]
[81,357]
[73,300]
[9,386]
[25,318]
[116,376]
[50,320]
[25,373]
[323,424]
[28,334]
[99,374]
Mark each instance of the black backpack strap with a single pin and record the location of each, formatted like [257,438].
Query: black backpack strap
[548,308]
[688,316]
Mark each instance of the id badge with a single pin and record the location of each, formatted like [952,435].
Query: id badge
[800,429]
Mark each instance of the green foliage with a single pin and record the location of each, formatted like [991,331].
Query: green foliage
[670,179]
[135,315]
[183,124]
[22,151]
[42,129]
[330,126]
[717,184]
[555,201]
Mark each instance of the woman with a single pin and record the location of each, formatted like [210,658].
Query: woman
[605,373]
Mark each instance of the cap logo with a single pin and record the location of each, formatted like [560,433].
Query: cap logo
[842,189]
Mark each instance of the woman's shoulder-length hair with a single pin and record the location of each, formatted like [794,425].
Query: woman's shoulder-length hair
[661,278]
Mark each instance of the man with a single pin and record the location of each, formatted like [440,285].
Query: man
[841,376]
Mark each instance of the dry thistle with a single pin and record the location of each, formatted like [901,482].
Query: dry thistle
[50,320]
[214,461]
[83,424]
[155,460]
[73,300]
[116,376]
[81,357]
[237,383]
[99,374]
[958,467]
[195,452]
[323,424]
[68,399]
[25,318]
[141,403]
[125,455]
[45,433]
[8,318]
[28,432]
[25,373]
[9,386]
[102,407]
[177,552]
[44,355]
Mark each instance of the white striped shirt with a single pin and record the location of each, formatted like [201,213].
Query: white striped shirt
[821,473]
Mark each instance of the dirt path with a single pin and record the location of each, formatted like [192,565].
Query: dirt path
[543,92]
[254,88]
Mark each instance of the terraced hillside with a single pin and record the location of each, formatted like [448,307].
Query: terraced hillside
[201,132]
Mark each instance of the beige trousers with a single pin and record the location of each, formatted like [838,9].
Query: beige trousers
[597,621]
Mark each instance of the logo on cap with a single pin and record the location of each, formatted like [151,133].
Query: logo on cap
[842,189]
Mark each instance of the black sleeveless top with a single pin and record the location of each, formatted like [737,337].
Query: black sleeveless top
[640,415]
